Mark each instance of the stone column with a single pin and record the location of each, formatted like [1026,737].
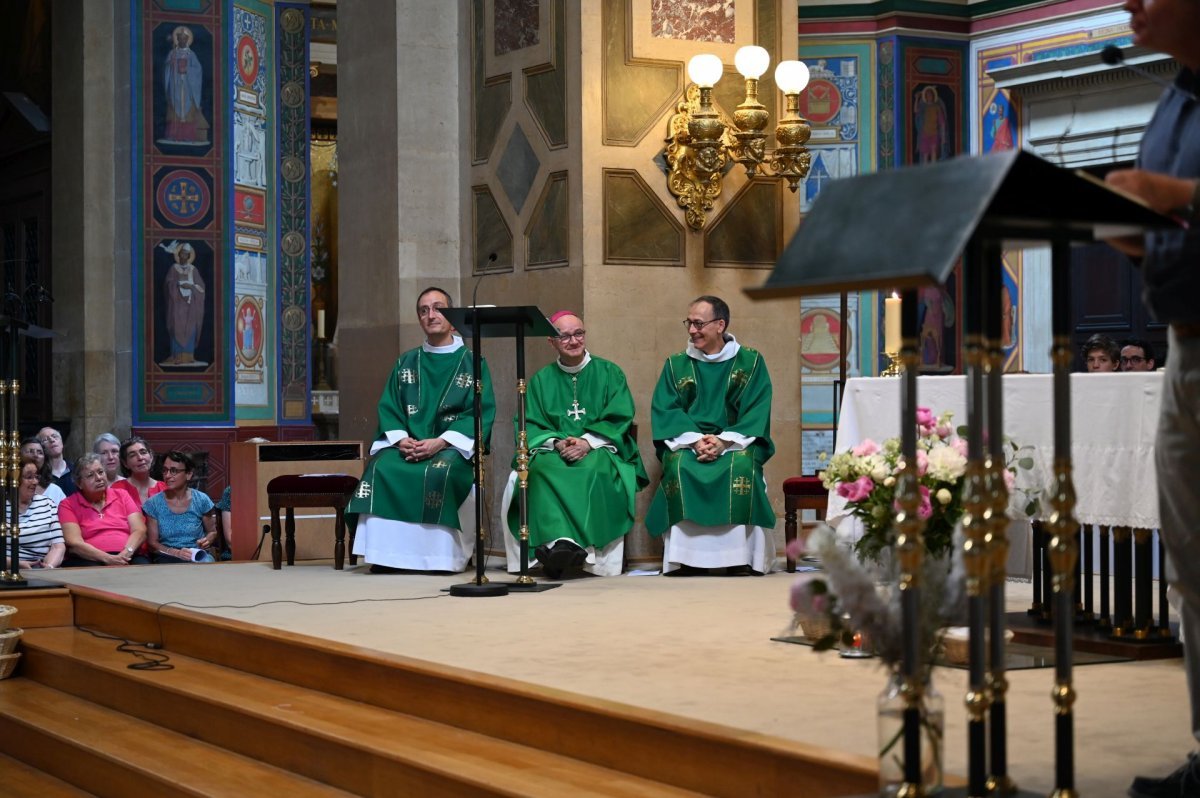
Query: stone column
[90,253]
[400,171]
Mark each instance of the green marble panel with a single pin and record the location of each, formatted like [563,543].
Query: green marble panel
[634,94]
[546,92]
[490,101]
[638,229]
[749,232]
[491,234]
[548,235]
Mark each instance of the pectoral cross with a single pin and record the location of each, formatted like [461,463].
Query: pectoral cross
[576,411]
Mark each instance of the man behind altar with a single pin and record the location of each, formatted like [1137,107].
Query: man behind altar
[584,464]
[414,504]
[711,417]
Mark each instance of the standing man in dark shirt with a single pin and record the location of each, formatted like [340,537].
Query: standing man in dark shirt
[1167,177]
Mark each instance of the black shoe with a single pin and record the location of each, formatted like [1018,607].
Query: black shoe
[1183,783]
[564,558]
[385,569]
[542,554]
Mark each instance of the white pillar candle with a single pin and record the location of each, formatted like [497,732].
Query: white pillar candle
[891,324]
[321,324]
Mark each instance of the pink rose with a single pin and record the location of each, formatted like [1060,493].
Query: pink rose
[820,603]
[925,509]
[857,490]
[796,548]
[925,417]
[1010,480]
[960,446]
[922,462]
[944,431]
[800,598]
[865,449]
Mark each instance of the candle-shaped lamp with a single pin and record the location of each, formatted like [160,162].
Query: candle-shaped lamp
[891,324]
[321,324]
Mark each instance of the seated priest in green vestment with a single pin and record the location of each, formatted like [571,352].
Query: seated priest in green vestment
[584,465]
[711,417]
[415,503]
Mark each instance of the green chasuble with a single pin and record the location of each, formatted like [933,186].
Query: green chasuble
[591,500]
[709,398]
[427,394]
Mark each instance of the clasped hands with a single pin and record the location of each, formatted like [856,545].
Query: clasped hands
[572,449]
[414,450]
[709,448]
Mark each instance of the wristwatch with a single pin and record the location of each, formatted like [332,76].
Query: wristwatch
[128,550]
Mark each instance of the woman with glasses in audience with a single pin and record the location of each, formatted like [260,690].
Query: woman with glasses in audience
[180,521]
[137,458]
[41,537]
[101,525]
[32,449]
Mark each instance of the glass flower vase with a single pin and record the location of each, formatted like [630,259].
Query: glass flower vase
[891,707]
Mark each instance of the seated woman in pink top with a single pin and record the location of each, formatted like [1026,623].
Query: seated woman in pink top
[136,459]
[101,526]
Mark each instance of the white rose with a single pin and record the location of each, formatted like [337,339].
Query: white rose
[943,497]
[889,482]
[878,468]
[946,464]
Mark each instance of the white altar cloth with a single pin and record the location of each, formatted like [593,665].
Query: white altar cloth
[1113,422]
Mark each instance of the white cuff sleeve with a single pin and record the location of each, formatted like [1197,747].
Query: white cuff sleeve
[389,438]
[736,441]
[461,443]
[599,441]
[684,440]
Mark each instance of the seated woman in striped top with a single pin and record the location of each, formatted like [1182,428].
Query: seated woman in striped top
[41,537]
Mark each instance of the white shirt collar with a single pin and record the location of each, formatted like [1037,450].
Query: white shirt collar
[453,346]
[587,358]
[728,351]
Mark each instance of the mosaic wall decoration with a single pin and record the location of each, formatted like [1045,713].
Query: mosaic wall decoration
[291,45]
[181,138]
[253,153]
[694,20]
[516,24]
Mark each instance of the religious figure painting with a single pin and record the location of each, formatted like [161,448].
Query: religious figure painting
[183,99]
[250,150]
[182,340]
[999,125]
[933,123]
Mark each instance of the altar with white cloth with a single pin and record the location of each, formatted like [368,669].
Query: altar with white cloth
[1113,422]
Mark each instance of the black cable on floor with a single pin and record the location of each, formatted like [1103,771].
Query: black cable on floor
[150,658]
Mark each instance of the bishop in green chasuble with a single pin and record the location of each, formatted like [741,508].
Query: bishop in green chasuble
[711,419]
[589,500]
[420,473]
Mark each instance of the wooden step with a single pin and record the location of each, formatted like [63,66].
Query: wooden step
[109,753]
[18,780]
[704,757]
[36,607]
[364,749]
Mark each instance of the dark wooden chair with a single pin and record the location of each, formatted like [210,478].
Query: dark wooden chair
[801,493]
[310,490]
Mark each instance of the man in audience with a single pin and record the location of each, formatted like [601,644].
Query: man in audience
[420,475]
[60,469]
[711,417]
[1137,355]
[584,465]
[1101,353]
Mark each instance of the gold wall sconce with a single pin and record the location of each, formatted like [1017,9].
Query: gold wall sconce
[701,144]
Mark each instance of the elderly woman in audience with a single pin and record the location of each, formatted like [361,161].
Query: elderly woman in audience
[41,537]
[136,459]
[109,448]
[180,521]
[101,525]
[32,449]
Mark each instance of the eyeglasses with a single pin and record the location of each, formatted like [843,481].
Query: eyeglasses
[1134,360]
[565,338]
[171,470]
[696,324]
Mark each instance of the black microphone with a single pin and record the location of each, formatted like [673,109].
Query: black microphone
[1115,56]
[475,292]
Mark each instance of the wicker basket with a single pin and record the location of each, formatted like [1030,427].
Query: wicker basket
[955,644]
[815,625]
[8,664]
[7,613]
[9,640]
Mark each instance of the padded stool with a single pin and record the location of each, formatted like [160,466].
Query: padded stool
[801,493]
[310,490]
